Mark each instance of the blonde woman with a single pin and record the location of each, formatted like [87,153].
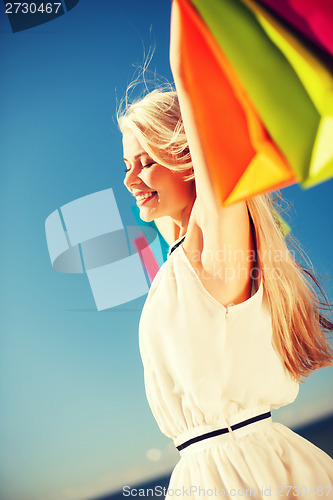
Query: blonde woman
[231,322]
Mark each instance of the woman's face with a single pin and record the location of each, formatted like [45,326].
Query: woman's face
[167,193]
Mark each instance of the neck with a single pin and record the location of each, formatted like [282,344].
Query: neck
[181,224]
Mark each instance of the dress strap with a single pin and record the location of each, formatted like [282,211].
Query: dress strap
[176,244]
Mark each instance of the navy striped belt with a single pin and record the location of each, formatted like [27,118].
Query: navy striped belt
[224,430]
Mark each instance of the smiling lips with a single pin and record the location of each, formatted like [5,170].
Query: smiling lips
[143,198]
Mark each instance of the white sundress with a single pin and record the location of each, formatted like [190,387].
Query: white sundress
[208,367]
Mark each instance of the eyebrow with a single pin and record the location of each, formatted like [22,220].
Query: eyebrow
[138,155]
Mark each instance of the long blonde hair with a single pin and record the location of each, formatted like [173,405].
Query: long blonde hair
[156,121]
[299,327]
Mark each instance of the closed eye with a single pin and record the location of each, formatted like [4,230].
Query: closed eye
[143,166]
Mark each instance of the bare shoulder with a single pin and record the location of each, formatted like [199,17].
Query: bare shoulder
[220,245]
[223,226]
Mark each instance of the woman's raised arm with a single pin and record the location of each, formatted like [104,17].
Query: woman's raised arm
[204,184]
[222,227]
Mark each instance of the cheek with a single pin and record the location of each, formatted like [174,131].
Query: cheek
[155,178]
[183,192]
[150,177]
[180,187]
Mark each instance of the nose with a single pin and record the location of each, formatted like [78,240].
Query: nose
[132,178]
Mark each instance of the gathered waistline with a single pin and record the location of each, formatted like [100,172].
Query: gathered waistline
[224,430]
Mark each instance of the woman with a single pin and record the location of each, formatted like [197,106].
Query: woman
[230,324]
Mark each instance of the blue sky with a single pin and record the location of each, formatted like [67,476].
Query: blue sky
[75,422]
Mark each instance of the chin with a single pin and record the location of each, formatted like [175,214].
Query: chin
[146,217]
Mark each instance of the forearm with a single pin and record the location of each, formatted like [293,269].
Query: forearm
[206,191]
